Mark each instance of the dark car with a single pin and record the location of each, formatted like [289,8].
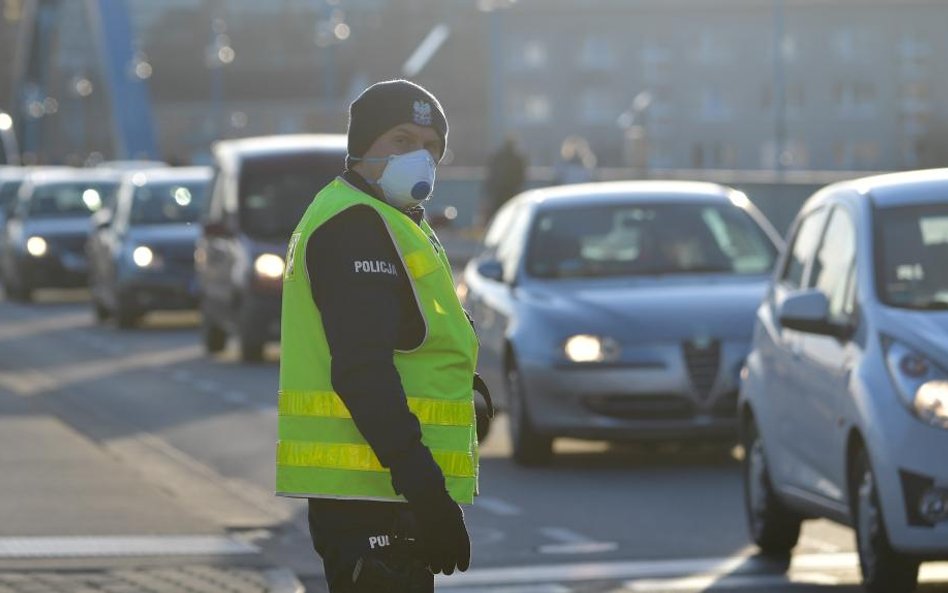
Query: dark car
[43,241]
[11,178]
[142,258]
[261,188]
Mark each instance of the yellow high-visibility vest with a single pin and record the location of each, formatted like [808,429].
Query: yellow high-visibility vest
[320,452]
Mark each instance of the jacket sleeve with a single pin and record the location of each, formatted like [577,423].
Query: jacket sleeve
[358,283]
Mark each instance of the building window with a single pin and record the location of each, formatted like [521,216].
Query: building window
[530,55]
[597,106]
[854,99]
[656,64]
[714,106]
[711,48]
[597,53]
[857,155]
[844,44]
[532,108]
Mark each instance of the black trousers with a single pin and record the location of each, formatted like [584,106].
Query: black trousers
[368,547]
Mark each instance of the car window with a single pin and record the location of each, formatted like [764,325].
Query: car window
[498,226]
[511,245]
[8,191]
[833,262]
[68,199]
[275,191]
[647,238]
[214,210]
[910,254]
[802,247]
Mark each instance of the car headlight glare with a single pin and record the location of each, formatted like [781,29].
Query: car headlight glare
[36,246]
[143,256]
[589,348]
[922,385]
[269,265]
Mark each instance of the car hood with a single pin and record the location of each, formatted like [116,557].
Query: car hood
[661,309]
[56,227]
[165,234]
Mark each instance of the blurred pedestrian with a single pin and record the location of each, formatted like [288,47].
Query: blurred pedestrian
[376,416]
[576,164]
[506,170]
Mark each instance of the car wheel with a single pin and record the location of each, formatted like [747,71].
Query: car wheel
[215,338]
[883,569]
[530,448]
[102,312]
[483,422]
[19,291]
[125,316]
[773,527]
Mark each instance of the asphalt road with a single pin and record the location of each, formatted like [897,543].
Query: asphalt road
[599,519]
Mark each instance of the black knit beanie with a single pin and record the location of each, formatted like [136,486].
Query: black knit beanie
[385,105]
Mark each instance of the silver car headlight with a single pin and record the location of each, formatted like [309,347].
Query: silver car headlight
[587,348]
[269,266]
[922,385]
[145,258]
[37,246]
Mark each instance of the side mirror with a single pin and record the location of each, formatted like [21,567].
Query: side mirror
[217,229]
[491,269]
[808,311]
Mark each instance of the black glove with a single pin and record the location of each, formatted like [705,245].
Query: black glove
[442,536]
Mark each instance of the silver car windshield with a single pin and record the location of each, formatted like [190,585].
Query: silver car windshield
[647,239]
[911,251]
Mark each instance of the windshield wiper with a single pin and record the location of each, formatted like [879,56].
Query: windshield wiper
[932,306]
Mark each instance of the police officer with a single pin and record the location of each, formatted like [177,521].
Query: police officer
[376,417]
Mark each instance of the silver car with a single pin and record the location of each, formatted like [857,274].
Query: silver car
[844,402]
[619,311]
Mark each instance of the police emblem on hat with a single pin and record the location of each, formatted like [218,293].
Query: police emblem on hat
[421,113]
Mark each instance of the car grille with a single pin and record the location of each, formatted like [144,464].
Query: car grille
[725,406]
[74,244]
[703,361]
[178,255]
[660,406]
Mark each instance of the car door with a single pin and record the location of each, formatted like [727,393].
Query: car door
[492,299]
[826,362]
[779,350]
[111,245]
[215,259]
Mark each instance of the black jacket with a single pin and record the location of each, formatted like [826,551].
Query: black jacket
[369,310]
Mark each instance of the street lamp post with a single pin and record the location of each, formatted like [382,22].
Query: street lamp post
[780,121]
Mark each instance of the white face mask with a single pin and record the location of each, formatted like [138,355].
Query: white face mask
[408,178]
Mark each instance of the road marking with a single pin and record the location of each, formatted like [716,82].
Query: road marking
[235,397]
[550,588]
[207,386]
[497,506]
[712,582]
[181,376]
[740,564]
[570,542]
[73,547]
[819,545]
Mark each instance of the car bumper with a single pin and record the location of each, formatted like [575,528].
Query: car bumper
[261,315]
[56,270]
[654,402]
[912,465]
[158,291]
